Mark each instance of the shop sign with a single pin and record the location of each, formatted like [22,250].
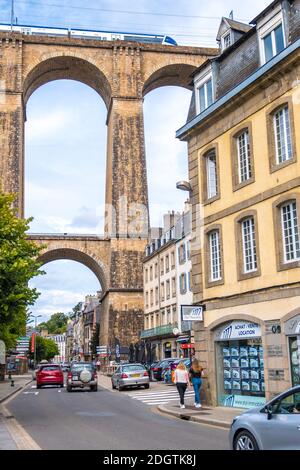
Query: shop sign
[238,330]
[242,401]
[192,313]
[187,346]
[292,326]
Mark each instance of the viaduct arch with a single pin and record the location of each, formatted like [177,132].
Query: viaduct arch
[122,73]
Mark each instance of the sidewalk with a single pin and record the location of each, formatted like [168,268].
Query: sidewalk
[20,381]
[12,436]
[215,416]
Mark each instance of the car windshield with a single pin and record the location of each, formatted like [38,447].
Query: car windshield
[48,368]
[82,366]
[133,368]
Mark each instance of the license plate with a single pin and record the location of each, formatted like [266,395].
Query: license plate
[136,375]
[75,377]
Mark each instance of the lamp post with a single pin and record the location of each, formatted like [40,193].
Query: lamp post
[35,325]
[186,186]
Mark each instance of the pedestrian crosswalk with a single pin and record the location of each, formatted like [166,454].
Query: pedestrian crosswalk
[159,397]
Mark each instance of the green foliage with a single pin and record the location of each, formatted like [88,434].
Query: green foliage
[75,310]
[56,325]
[18,265]
[46,348]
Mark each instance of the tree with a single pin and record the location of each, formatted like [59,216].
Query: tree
[75,310]
[18,265]
[46,348]
[56,325]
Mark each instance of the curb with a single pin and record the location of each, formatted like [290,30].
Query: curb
[15,390]
[196,419]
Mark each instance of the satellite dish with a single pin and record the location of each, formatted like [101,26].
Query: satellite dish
[176,331]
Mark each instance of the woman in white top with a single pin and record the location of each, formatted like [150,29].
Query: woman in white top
[182,380]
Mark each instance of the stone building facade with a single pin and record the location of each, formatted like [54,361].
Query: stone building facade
[243,143]
[167,287]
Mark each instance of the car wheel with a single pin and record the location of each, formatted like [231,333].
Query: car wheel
[69,389]
[113,386]
[94,388]
[38,386]
[147,386]
[61,385]
[120,388]
[245,441]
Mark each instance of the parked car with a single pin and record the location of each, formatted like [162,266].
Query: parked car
[152,369]
[130,375]
[65,366]
[82,375]
[49,374]
[276,426]
[157,372]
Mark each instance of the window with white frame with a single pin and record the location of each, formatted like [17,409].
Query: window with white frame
[283,138]
[205,94]
[211,174]
[226,41]
[290,232]
[249,245]
[182,283]
[182,254]
[273,43]
[271,32]
[215,256]
[244,157]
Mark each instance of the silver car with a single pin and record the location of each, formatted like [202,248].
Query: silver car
[130,375]
[276,426]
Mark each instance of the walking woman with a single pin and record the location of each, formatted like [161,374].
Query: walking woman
[182,381]
[196,374]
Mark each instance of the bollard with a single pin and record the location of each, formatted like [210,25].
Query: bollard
[12,384]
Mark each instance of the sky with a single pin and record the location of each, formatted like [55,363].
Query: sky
[65,134]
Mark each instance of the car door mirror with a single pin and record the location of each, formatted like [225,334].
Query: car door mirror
[269,411]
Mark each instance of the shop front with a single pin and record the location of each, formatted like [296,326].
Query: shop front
[292,331]
[239,365]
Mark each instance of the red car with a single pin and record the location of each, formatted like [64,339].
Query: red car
[49,374]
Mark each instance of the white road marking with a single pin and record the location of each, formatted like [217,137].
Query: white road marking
[159,398]
[34,393]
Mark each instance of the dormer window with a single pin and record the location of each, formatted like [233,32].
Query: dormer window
[204,90]
[226,41]
[271,33]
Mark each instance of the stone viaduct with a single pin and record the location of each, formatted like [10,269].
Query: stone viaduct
[122,73]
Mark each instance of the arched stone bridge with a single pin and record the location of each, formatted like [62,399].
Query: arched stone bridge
[122,73]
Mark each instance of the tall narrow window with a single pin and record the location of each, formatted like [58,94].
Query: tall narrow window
[283,140]
[211,174]
[215,256]
[182,283]
[249,245]
[290,232]
[205,95]
[244,156]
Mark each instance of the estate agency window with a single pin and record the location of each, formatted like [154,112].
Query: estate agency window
[240,365]
[292,330]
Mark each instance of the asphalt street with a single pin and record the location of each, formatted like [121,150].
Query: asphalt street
[84,420]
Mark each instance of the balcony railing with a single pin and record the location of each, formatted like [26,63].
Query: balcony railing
[159,331]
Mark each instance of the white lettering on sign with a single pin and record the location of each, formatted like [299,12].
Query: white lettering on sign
[236,330]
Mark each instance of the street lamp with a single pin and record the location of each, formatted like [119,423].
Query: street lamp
[186,186]
[35,325]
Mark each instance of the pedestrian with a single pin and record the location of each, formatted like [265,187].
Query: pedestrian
[182,381]
[98,363]
[196,374]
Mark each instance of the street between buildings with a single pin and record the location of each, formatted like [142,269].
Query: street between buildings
[84,420]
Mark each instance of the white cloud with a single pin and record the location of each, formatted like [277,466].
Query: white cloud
[52,123]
